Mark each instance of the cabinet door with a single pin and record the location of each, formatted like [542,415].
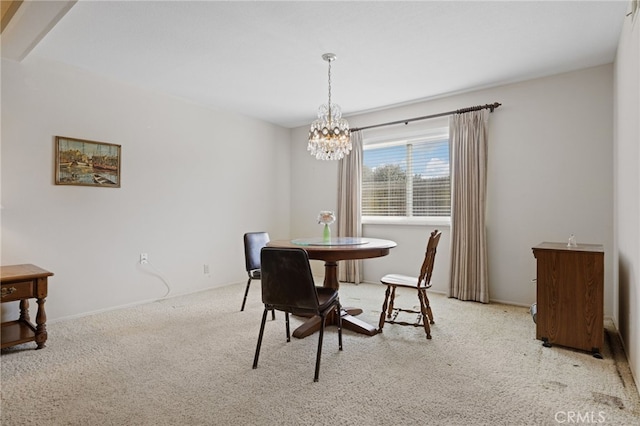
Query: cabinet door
[570,299]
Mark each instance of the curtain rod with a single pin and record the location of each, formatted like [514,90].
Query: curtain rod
[442,114]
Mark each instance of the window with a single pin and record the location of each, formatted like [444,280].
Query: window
[407,180]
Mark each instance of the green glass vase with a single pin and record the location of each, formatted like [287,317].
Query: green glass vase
[326,234]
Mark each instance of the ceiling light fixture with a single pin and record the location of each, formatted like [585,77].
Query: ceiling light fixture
[329,136]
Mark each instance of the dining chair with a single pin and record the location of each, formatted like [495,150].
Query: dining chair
[421,283]
[288,286]
[253,243]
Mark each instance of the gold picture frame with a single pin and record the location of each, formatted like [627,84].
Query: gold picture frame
[87,163]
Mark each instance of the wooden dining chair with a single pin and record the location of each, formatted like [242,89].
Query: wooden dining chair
[420,284]
[253,243]
[288,286]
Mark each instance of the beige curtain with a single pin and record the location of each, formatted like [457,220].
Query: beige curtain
[469,274]
[350,206]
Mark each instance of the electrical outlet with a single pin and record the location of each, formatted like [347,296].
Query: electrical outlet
[206,269]
[144,258]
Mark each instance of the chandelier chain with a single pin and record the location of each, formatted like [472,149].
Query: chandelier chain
[329,105]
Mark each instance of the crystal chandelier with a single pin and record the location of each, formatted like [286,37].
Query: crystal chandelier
[329,137]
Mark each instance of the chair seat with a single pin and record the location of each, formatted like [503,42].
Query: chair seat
[402,281]
[326,297]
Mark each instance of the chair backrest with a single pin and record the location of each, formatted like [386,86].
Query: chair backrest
[424,280]
[287,280]
[253,243]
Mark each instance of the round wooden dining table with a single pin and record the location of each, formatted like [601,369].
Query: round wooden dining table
[341,248]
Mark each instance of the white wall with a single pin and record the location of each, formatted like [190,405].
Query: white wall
[189,189]
[550,174]
[627,191]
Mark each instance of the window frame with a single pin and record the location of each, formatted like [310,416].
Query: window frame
[431,134]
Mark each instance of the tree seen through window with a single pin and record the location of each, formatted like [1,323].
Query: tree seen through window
[408,179]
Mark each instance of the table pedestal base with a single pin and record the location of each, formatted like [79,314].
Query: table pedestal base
[349,321]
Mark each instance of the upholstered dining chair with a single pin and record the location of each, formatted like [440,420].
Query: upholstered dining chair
[420,284]
[288,286]
[253,243]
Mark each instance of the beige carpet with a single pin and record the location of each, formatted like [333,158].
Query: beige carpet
[187,361]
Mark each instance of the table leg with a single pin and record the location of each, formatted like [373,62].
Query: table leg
[331,275]
[41,326]
[309,327]
[24,310]
[354,324]
[331,281]
[348,321]
[41,315]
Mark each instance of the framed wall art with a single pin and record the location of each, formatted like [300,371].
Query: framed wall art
[87,163]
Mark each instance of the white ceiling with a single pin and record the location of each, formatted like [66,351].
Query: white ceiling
[263,58]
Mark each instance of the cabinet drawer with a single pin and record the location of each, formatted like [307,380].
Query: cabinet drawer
[17,291]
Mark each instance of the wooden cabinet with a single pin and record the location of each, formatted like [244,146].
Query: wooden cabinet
[21,283]
[570,303]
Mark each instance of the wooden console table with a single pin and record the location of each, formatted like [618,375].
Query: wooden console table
[21,283]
